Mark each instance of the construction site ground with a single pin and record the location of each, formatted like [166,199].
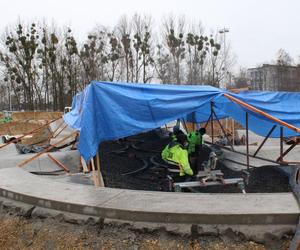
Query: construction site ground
[23,233]
[118,160]
[121,157]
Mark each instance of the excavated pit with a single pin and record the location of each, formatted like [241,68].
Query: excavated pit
[121,159]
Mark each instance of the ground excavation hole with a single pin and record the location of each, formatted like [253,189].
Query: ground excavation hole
[266,179]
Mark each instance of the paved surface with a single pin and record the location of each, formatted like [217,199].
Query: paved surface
[64,194]
[280,208]
[10,158]
[270,150]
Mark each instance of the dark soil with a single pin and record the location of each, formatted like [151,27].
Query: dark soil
[134,153]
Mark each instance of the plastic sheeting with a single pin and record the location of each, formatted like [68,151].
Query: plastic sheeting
[107,111]
[282,105]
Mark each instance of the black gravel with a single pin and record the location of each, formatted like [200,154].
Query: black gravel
[140,148]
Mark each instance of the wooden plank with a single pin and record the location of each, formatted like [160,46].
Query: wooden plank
[46,150]
[101,182]
[96,180]
[54,136]
[55,130]
[84,165]
[58,163]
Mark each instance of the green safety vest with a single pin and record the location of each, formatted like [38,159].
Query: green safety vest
[194,138]
[174,152]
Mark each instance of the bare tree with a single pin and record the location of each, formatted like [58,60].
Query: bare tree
[283,61]
[283,58]
[241,80]
[173,33]
[19,60]
[124,32]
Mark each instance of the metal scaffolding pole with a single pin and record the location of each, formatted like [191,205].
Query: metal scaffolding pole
[247,140]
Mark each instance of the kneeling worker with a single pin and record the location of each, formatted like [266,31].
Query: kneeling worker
[195,150]
[195,139]
[175,153]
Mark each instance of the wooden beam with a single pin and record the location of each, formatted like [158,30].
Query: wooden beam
[54,136]
[258,111]
[84,165]
[58,163]
[46,150]
[96,180]
[212,122]
[55,130]
[101,182]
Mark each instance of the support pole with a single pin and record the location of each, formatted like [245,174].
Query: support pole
[46,150]
[247,140]
[212,121]
[233,131]
[101,182]
[194,121]
[96,180]
[208,120]
[266,138]
[223,130]
[288,150]
[84,165]
[281,144]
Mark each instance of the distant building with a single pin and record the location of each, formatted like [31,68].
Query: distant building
[274,77]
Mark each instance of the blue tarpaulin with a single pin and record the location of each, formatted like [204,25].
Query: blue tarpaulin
[106,111]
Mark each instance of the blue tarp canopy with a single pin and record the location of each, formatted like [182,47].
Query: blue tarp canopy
[107,111]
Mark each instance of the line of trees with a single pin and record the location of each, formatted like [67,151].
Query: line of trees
[43,67]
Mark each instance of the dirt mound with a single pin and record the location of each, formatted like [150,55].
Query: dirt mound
[31,115]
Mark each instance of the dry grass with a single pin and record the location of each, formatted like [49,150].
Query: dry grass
[18,233]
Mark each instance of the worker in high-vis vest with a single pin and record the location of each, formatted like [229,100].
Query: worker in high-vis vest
[176,153]
[195,139]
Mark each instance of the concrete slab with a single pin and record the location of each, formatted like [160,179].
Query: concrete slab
[271,148]
[10,158]
[279,208]
[267,152]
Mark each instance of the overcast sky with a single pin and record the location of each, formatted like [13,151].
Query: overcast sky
[258,28]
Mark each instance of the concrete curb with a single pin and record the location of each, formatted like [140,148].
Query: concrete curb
[146,206]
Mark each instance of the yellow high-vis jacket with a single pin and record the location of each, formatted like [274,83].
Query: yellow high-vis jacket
[174,153]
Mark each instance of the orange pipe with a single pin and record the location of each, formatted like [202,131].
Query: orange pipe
[272,118]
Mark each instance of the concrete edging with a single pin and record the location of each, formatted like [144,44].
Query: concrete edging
[146,206]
